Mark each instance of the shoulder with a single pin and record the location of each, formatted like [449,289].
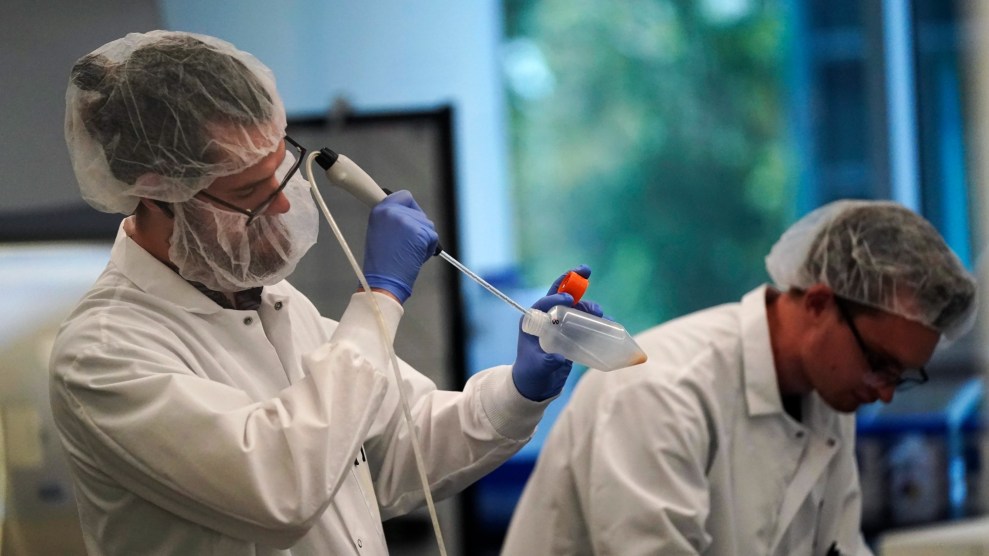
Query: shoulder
[682,337]
[694,366]
[697,348]
[116,319]
[114,303]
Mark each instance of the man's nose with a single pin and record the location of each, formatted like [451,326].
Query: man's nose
[886,392]
[279,205]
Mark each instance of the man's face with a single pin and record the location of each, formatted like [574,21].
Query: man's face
[213,243]
[238,249]
[252,187]
[847,373]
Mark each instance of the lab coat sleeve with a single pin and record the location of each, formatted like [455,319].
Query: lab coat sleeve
[463,435]
[648,487]
[129,408]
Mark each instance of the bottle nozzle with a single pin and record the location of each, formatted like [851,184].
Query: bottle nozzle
[535,322]
[583,338]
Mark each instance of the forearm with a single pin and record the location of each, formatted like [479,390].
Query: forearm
[463,435]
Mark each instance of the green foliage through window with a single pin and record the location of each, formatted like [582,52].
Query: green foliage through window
[649,141]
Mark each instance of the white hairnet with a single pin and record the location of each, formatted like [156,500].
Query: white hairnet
[162,114]
[880,254]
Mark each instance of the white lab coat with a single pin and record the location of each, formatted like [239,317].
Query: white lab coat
[692,453]
[193,429]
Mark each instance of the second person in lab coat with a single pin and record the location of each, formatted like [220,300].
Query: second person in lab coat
[736,438]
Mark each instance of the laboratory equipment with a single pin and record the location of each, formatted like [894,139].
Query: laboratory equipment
[967,537]
[344,173]
[919,458]
[347,175]
[578,336]
[583,338]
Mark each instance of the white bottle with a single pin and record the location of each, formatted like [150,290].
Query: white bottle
[583,338]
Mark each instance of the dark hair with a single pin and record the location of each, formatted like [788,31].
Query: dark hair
[152,111]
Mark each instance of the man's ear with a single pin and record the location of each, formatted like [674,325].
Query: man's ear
[818,299]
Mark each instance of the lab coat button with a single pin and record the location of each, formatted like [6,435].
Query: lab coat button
[278,305]
[800,434]
[248,321]
[832,442]
[360,544]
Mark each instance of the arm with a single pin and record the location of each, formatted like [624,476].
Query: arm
[465,435]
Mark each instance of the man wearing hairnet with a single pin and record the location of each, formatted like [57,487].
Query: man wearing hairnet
[204,404]
[737,437]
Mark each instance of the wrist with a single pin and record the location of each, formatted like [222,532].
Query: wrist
[530,389]
[388,293]
[388,285]
[360,289]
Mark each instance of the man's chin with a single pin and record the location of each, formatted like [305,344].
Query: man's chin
[845,405]
[264,266]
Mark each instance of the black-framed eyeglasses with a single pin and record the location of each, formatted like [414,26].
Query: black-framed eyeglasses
[880,367]
[253,213]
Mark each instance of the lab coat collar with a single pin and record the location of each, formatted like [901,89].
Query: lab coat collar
[154,277]
[762,394]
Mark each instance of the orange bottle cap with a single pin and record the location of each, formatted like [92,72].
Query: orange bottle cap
[574,284]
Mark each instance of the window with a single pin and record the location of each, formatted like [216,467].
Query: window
[650,140]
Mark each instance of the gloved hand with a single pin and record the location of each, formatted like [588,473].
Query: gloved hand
[539,375]
[399,239]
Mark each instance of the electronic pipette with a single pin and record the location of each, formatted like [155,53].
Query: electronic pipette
[578,336]
[346,174]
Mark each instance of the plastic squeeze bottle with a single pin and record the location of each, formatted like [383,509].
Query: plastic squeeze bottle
[582,337]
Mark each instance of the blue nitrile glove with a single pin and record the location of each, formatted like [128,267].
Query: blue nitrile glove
[539,375]
[399,239]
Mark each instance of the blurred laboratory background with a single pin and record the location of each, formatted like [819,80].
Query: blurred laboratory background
[665,143]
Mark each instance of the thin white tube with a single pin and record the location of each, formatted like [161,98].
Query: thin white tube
[387,341]
[470,274]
